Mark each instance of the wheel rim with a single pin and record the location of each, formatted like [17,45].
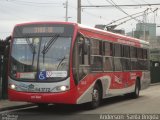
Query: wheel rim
[95,95]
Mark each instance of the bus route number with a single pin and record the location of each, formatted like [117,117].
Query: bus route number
[42,89]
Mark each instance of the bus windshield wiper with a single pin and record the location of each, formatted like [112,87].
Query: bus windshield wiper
[48,45]
[32,48]
[60,61]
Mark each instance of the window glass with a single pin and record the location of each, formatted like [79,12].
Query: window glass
[126,63]
[80,50]
[83,71]
[133,52]
[96,47]
[32,55]
[140,53]
[118,50]
[145,53]
[83,54]
[96,63]
[134,64]
[117,64]
[108,49]
[126,51]
[108,64]
[57,60]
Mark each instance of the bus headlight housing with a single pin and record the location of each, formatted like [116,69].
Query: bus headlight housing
[62,88]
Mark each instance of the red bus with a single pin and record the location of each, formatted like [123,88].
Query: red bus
[68,63]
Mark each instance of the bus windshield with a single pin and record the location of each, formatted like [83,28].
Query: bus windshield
[33,55]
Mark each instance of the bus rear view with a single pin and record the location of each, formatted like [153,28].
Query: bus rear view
[39,63]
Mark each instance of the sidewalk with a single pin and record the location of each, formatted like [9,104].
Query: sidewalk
[8,105]
[152,84]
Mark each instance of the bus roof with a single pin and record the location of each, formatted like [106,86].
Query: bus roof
[90,29]
[113,34]
[46,22]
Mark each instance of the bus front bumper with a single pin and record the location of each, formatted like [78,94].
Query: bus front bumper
[67,97]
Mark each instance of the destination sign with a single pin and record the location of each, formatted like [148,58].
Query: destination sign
[29,30]
[36,30]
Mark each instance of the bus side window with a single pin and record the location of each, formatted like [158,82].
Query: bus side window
[96,55]
[117,57]
[107,56]
[84,51]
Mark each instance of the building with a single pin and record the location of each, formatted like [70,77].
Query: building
[147,31]
[144,31]
[155,49]
[146,27]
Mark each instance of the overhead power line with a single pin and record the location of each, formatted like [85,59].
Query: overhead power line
[115,5]
[110,6]
[126,17]
[89,13]
[137,16]
[114,26]
[22,1]
[119,8]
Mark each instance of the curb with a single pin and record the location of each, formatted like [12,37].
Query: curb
[16,107]
[152,84]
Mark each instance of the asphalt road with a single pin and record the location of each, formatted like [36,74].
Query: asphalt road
[147,103]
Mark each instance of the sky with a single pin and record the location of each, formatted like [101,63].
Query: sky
[13,12]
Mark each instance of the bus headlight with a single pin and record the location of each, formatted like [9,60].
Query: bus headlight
[12,86]
[62,88]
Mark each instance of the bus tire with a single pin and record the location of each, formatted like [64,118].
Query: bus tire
[135,94]
[96,96]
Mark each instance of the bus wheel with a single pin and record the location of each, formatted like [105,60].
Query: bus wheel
[42,105]
[96,97]
[135,94]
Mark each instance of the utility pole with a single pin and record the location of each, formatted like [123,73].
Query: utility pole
[144,25]
[79,11]
[66,6]
[155,14]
